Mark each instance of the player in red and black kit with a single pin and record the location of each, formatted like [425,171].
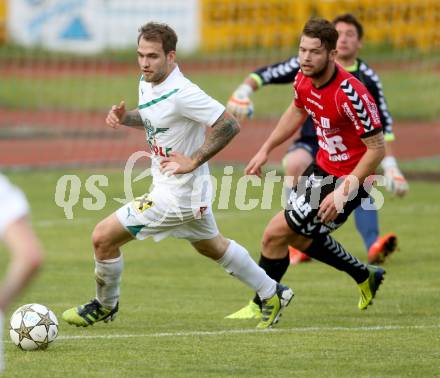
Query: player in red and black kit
[303,149]
[351,146]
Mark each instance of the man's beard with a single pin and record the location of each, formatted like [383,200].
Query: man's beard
[157,77]
[321,72]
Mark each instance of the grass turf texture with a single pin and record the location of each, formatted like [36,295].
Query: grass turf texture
[408,91]
[173,300]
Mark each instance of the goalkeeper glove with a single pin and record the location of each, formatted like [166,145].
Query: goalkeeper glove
[239,104]
[395,182]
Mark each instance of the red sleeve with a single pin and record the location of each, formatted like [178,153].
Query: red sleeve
[296,85]
[359,106]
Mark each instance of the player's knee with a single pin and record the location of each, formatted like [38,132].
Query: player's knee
[214,248]
[293,172]
[296,162]
[34,258]
[293,168]
[271,240]
[101,240]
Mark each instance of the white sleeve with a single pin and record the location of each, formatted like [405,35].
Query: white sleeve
[196,105]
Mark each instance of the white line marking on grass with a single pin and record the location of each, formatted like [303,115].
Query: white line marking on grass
[252,331]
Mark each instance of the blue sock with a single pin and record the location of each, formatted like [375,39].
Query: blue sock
[367,224]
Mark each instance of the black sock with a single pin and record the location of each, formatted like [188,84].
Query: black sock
[329,251]
[275,269]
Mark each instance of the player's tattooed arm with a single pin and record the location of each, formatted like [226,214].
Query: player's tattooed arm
[118,116]
[373,156]
[132,118]
[223,130]
[375,142]
[335,201]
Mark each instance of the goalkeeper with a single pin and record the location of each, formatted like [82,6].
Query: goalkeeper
[303,150]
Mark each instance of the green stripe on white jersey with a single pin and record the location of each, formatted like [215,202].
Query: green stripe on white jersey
[156,100]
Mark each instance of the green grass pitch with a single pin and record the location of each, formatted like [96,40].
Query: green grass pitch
[173,301]
[410,93]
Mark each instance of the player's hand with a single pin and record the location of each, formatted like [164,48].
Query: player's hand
[115,115]
[177,163]
[254,166]
[327,209]
[395,182]
[239,104]
[334,203]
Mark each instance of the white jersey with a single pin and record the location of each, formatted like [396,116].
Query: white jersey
[175,114]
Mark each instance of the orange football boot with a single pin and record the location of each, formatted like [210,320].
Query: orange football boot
[381,248]
[297,257]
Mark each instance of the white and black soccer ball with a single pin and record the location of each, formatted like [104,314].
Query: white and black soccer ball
[33,326]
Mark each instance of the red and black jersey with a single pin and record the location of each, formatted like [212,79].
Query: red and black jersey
[285,72]
[343,112]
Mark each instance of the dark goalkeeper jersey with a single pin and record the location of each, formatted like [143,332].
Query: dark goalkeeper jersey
[285,72]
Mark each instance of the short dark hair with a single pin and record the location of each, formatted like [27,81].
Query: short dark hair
[157,32]
[323,30]
[348,18]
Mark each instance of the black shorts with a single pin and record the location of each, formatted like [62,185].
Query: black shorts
[303,204]
[308,143]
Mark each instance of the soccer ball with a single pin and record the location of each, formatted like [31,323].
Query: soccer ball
[33,326]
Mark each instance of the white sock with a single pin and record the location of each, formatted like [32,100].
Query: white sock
[108,279]
[239,263]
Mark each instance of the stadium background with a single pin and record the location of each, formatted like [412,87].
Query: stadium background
[170,324]
[62,67]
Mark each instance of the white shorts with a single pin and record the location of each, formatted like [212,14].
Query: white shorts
[146,217]
[13,204]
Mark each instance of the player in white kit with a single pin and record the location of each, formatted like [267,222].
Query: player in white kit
[174,114]
[26,253]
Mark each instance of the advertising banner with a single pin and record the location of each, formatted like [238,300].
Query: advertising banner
[89,26]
